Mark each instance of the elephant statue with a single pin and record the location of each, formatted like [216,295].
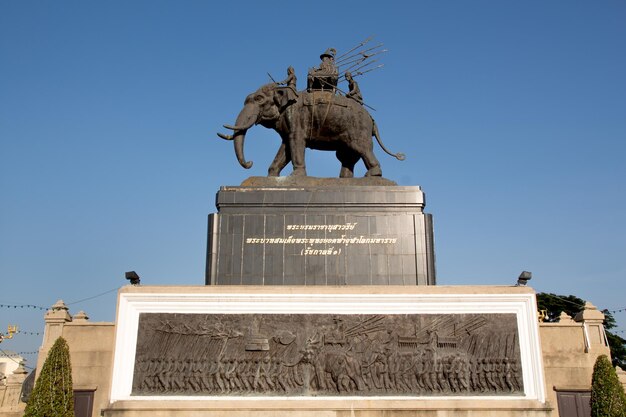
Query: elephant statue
[319,120]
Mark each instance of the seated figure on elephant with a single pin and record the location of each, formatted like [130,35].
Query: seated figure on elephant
[326,76]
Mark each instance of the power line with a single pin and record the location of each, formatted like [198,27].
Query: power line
[36,307]
[563,299]
[618,310]
[92,297]
[9,356]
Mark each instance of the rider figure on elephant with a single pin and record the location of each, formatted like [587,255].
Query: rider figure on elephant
[326,76]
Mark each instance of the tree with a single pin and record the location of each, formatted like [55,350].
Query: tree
[607,394]
[616,343]
[53,395]
[555,304]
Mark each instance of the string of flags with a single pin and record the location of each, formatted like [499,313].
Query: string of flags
[15,355]
[29,333]
[23,306]
[619,310]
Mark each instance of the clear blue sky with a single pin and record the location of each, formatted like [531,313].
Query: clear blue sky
[512,116]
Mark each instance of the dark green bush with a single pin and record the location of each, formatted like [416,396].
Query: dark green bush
[607,394]
[53,395]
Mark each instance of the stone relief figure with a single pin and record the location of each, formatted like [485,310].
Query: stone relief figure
[326,355]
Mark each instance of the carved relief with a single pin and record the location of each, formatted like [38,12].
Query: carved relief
[326,355]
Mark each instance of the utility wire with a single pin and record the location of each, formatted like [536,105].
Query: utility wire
[563,299]
[618,310]
[581,305]
[9,356]
[92,297]
[36,307]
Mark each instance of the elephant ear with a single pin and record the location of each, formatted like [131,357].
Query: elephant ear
[284,96]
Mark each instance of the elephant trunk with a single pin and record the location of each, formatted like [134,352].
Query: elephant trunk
[245,120]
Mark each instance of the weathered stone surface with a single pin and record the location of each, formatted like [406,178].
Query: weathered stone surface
[327,355]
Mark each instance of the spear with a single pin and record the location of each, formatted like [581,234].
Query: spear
[356,74]
[345,58]
[359,66]
[356,47]
[363,58]
[365,66]
[360,57]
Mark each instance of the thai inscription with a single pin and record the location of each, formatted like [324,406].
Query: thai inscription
[342,240]
[327,355]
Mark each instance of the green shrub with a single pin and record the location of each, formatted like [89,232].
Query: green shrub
[53,395]
[607,394]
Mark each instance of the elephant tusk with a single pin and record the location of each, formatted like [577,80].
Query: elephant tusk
[236,127]
[225,137]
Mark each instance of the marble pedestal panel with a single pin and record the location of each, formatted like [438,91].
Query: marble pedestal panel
[243,351]
[285,231]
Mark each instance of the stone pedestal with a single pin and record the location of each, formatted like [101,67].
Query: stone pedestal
[313,231]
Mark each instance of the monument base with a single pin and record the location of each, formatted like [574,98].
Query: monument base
[242,350]
[320,231]
[316,408]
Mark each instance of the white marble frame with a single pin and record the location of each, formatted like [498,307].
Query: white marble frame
[130,305]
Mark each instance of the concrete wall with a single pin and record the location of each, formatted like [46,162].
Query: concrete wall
[570,349]
[91,351]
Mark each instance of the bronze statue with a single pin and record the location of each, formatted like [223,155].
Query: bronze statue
[318,118]
[326,76]
[354,92]
[291,79]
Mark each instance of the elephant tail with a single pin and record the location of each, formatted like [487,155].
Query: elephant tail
[399,156]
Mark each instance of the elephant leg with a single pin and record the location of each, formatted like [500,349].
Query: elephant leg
[372,164]
[281,160]
[366,151]
[297,146]
[348,159]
